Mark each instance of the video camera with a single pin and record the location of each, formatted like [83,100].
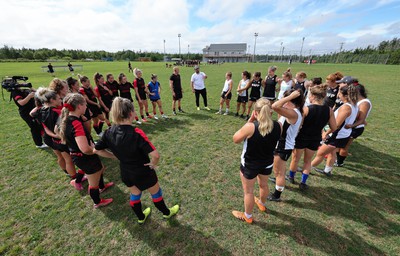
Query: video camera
[14,83]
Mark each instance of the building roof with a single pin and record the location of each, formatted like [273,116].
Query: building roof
[226,47]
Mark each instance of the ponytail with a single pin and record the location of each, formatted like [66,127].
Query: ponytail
[44,95]
[71,101]
[97,77]
[351,93]
[265,122]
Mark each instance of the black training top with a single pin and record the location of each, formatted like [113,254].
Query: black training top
[75,128]
[22,94]
[258,151]
[139,83]
[89,93]
[113,87]
[256,89]
[318,116]
[270,87]
[106,97]
[125,90]
[176,82]
[130,145]
[49,118]
[300,85]
[331,96]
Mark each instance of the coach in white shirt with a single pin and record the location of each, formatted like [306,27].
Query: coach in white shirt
[198,87]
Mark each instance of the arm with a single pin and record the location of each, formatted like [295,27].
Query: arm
[33,112]
[230,87]
[155,157]
[105,153]
[97,93]
[24,101]
[343,113]
[332,125]
[192,85]
[83,145]
[245,132]
[248,85]
[171,85]
[361,115]
[290,114]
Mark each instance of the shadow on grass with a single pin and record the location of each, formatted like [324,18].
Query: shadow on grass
[200,116]
[166,237]
[363,209]
[163,125]
[319,237]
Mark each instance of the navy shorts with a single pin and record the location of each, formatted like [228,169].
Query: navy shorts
[356,132]
[242,99]
[142,180]
[226,96]
[251,174]
[155,100]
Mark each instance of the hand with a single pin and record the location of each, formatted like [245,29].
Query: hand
[173,94]
[193,90]
[294,94]
[106,109]
[31,94]
[151,165]
[348,126]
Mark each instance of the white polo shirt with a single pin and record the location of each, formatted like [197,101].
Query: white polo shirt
[198,80]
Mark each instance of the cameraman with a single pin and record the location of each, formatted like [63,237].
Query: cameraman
[25,102]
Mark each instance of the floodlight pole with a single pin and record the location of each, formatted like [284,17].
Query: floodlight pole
[164,47]
[179,38]
[255,43]
[301,49]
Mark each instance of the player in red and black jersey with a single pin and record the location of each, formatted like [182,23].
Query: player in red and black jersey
[74,86]
[81,146]
[141,93]
[25,102]
[104,94]
[125,91]
[49,116]
[112,85]
[88,93]
[132,148]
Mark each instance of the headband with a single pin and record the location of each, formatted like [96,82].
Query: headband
[68,106]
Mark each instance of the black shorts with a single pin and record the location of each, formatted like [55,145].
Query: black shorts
[251,174]
[87,115]
[90,164]
[178,95]
[242,99]
[142,96]
[356,132]
[96,111]
[49,141]
[284,154]
[142,180]
[226,96]
[337,143]
[254,98]
[308,144]
[60,147]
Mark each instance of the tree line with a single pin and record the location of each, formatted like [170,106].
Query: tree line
[387,52]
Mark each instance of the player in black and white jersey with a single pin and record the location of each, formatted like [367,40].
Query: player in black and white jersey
[316,116]
[260,135]
[346,114]
[255,93]
[290,109]
[270,82]
[364,108]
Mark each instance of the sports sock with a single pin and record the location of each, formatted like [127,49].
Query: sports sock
[248,216]
[94,194]
[227,110]
[142,116]
[340,159]
[162,113]
[79,176]
[101,126]
[174,109]
[65,172]
[136,205]
[278,191]
[159,202]
[136,118]
[291,174]
[328,169]
[147,113]
[96,128]
[101,182]
[72,177]
[304,178]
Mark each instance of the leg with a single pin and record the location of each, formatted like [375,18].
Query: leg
[248,189]
[154,107]
[249,107]
[141,108]
[279,171]
[296,156]
[136,203]
[204,95]
[197,94]
[69,165]
[60,160]
[227,103]
[94,192]
[35,130]
[158,200]
[322,151]
[263,184]
[160,107]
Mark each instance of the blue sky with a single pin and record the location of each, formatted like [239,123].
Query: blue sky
[143,25]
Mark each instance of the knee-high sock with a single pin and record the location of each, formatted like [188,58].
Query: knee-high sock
[136,205]
[159,202]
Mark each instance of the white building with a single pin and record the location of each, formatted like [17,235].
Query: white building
[225,53]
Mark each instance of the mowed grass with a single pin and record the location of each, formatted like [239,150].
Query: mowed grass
[354,212]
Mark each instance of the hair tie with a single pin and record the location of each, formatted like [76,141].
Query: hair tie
[68,106]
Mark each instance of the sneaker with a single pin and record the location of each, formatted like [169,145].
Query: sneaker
[322,171]
[336,164]
[261,207]
[100,134]
[155,117]
[138,122]
[77,186]
[303,186]
[207,108]
[43,146]
[172,211]
[218,113]
[164,116]
[150,116]
[290,180]
[272,197]
[247,117]
[146,213]
[84,178]
[226,113]
[144,120]
[174,113]
[237,114]
[299,169]
[103,202]
[109,184]
[273,180]
[242,216]
[181,111]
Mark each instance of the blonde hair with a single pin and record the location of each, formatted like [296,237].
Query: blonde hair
[73,99]
[120,110]
[56,85]
[266,124]
[319,91]
[44,95]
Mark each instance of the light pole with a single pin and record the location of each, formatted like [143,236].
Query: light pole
[301,49]
[164,47]
[188,50]
[255,42]
[179,38]
[280,52]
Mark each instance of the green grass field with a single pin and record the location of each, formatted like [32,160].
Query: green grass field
[354,212]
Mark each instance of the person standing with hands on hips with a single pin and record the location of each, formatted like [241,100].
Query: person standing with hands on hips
[198,87]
